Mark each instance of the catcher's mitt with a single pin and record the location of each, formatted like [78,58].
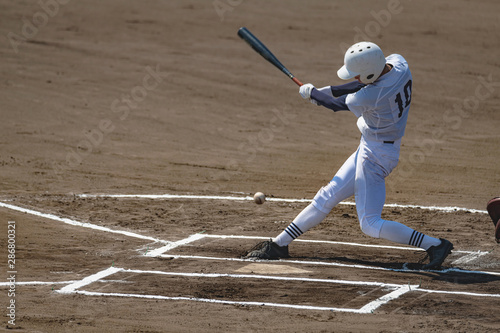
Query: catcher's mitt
[493,208]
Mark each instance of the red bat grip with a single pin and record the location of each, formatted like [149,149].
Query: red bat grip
[294,79]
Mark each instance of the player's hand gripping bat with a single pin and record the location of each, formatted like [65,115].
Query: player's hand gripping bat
[260,48]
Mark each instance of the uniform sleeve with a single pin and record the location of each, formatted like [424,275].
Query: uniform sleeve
[347,88]
[357,102]
[343,89]
[330,102]
[326,90]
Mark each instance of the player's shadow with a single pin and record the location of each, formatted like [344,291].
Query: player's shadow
[447,274]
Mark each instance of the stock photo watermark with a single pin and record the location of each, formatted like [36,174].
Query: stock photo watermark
[257,143]
[122,107]
[222,7]
[373,28]
[11,273]
[254,144]
[31,26]
[452,119]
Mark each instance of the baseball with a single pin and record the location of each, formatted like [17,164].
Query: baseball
[259,198]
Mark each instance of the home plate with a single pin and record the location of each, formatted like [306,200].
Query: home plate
[270,269]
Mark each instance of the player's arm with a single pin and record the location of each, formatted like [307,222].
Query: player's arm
[343,89]
[331,97]
[347,88]
[330,102]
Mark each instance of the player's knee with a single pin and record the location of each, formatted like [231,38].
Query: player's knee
[326,198]
[321,205]
[371,225]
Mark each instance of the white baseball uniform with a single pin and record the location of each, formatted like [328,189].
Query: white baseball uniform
[382,110]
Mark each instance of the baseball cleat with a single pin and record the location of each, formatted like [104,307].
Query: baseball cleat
[268,250]
[437,254]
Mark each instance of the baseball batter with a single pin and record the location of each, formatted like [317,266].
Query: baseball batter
[380,98]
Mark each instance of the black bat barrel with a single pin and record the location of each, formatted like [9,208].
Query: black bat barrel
[260,48]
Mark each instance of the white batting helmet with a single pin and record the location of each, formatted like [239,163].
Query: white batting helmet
[364,59]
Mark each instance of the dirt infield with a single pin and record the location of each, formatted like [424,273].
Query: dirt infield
[162,97]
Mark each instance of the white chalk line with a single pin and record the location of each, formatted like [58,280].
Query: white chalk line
[339,243]
[35,283]
[173,245]
[398,290]
[267,277]
[368,308]
[170,245]
[468,258]
[302,262]
[323,263]
[372,306]
[43,283]
[225,302]
[177,196]
[79,224]
[249,198]
[465,293]
[195,237]
[160,252]
[89,279]
[470,255]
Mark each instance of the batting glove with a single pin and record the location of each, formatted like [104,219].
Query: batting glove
[305,90]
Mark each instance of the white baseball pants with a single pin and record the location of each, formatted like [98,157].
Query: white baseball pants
[362,175]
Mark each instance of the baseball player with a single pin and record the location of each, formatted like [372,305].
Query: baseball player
[380,98]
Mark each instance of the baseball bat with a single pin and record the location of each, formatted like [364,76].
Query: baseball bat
[261,49]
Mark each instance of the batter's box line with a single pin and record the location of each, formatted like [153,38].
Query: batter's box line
[80,224]
[171,245]
[322,263]
[468,257]
[249,198]
[397,290]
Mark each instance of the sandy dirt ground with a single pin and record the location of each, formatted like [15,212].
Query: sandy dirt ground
[162,97]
